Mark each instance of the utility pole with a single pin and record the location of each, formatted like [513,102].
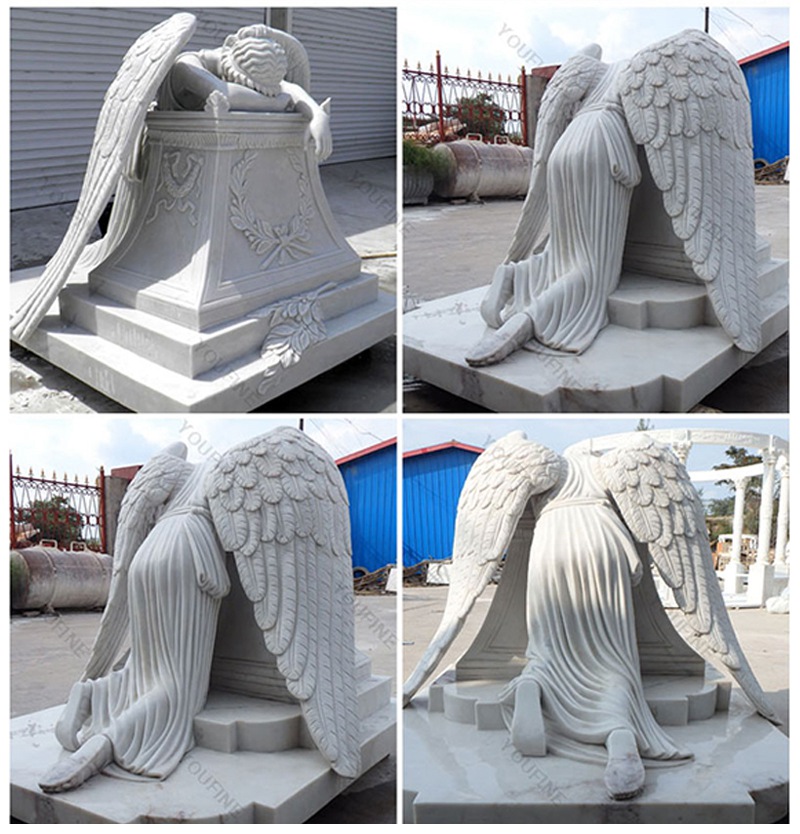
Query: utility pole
[706,10]
[301,424]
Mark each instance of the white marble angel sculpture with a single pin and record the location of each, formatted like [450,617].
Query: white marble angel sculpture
[278,503]
[581,684]
[258,69]
[684,99]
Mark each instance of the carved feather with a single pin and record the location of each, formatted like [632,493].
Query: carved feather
[148,494]
[291,543]
[675,533]
[499,485]
[117,134]
[686,101]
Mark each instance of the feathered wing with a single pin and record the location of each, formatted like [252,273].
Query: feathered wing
[148,493]
[560,102]
[494,496]
[662,510]
[299,69]
[118,130]
[279,505]
[686,100]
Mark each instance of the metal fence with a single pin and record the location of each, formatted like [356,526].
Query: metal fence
[63,513]
[439,105]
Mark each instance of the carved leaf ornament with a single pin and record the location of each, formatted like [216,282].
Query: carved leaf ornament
[285,241]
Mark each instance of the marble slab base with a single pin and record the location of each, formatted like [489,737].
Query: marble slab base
[145,383]
[209,786]
[638,363]
[455,773]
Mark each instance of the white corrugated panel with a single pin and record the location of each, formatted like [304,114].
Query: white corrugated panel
[353,54]
[62,61]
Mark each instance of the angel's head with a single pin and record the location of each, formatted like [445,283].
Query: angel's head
[255,60]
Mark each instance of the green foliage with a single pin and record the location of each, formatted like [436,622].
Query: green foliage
[55,519]
[480,114]
[644,425]
[752,495]
[416,155]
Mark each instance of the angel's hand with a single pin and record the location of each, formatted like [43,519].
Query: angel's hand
[319,128]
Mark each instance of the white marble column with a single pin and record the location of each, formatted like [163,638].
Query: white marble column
[783,519]
[765,512]
[734,571]
[759,578]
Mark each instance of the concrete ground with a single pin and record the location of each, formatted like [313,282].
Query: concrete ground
[764,639]
[362,198]
[49,652]
[451,248]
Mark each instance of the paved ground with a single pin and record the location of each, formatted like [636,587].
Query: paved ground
[451,248]
[362,198]
[48,654]
[764,638]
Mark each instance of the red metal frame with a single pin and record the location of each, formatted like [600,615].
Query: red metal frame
[432,97]
[83,500]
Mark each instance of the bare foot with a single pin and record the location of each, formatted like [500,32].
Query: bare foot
[624,776]
[527,726]
[74,770]
[497,344]
[79,705]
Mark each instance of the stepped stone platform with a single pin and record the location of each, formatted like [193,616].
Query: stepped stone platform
[253,762]
[460,766]
[663,349]
[150,364]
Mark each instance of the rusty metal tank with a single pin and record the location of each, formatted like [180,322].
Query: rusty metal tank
[46,577]
[477,169]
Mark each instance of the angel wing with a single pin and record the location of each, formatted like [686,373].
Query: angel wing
[299,69]
[686,100]
[279,505]
[118,131]
[662,510]
[154,484]
[561,99]
[494,496]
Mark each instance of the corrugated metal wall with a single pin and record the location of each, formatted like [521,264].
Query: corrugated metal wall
[355,63]
[371,483]
[62,60]
[768,81]
[431,485]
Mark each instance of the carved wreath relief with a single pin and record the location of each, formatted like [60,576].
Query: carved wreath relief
[286,241]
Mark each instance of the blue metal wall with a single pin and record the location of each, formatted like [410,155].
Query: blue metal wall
[768,81]
[371,483]
[431,485]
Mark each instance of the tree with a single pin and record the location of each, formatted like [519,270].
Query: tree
[479,114]
[644,425]
[752,495]
[55,519]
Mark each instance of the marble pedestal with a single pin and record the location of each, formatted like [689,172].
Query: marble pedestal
[457,773]
[662,350]
[254,762]
[228,284]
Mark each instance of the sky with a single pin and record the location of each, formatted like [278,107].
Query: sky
[559,433]
[80,445]
[499,38]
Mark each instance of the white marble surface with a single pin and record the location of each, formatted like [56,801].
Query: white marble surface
[135,376]
[624,370]
[454,773]
[223,279]
[208,786]
[679,100]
